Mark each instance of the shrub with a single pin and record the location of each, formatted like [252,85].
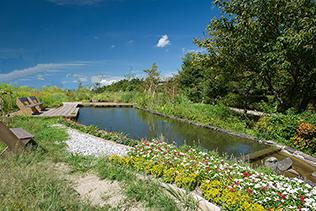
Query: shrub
[305,138]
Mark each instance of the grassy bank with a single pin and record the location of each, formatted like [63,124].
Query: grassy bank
[31,181]
[290,128]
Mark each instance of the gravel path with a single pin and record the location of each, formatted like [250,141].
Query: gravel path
[87,144]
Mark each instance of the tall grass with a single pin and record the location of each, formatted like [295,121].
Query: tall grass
[29,180]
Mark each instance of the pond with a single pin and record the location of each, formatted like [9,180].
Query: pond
[139,124]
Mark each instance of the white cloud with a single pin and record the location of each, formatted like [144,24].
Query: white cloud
[96,38]
[68,75]
[83,79]
[129,42]
[76,75]
[76,2]
[95,79]
[105,82]
[163,41]
[112,46]
[167,50]
[39,77]
[40,68]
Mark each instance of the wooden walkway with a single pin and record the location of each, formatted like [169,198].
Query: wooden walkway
[108,104]
[68,110]
[71,109]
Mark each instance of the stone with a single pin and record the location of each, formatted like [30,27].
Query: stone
[271,162]
[293,172]
[313,174]
[284,164]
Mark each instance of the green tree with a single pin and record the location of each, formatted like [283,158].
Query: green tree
[270,41]
[152,79]
[191,78]
[130,75]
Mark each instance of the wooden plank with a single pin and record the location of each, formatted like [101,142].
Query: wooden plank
[20,133]
[69,109]
[8,137]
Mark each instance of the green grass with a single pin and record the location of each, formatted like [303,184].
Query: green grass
[142,189]
[30,181]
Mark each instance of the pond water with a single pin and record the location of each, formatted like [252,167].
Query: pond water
[139,124]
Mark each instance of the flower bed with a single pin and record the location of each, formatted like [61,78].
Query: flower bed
[231,185]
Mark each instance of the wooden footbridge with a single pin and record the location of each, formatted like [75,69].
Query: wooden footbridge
[71,109]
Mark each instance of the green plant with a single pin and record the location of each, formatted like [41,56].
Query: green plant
[80,163]
[189,203]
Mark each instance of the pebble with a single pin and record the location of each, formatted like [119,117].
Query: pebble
[87,145]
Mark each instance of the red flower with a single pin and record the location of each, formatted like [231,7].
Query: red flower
[263,188]
[222,162]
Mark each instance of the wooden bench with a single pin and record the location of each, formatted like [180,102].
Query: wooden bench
[14,138]
[34,101]
[25,106]
[29,105]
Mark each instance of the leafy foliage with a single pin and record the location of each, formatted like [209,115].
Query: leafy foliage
[262,43]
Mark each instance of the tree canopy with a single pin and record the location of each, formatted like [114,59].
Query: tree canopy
[271,42]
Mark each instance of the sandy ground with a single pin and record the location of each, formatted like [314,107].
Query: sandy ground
[108,192]
[99,192]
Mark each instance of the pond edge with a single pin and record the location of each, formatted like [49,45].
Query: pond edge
[286,149]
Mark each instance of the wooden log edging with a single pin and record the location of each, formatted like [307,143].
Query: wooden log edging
[286,149]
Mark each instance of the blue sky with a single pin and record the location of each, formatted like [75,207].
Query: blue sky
[64,42]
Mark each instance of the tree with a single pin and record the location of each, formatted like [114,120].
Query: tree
[271,41]
[191,78]
[130,75]
[153,77]
[170,86]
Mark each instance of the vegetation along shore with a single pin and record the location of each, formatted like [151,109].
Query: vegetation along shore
[256,56]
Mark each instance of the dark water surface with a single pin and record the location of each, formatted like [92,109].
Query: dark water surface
[139,124]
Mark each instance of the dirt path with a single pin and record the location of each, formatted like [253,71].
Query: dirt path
[99,192]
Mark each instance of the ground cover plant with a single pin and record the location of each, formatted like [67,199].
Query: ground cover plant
[232,185]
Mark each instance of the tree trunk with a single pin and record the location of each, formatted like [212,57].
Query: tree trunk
[304,104]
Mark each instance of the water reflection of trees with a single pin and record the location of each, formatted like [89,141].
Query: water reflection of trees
[140,124]
[175,131]
[157,127]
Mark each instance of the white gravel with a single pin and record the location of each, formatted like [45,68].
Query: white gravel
[89,145]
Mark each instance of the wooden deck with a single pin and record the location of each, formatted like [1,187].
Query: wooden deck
[71,109]
[68,110]
[96,104]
